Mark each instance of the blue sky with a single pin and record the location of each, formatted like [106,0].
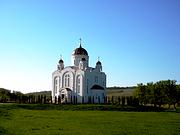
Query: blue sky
[136,40]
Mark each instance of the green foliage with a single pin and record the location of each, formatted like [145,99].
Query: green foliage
[141,93]
[178,94]
[159,93]
[4,94]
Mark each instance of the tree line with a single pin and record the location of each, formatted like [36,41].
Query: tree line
[6,96]
[165,92]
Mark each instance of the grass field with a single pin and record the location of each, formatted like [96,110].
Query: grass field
[25,120]
[120,91]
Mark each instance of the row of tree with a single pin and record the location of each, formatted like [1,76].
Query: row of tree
[43,99]
[18,97]
[160,93]
[165,92]
[120,100]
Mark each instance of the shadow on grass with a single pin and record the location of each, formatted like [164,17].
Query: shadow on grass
[3,131]
[5,113]
[81,107]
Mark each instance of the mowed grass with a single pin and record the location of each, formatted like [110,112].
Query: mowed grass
[120,92]
[20,121]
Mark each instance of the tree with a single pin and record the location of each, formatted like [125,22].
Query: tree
[150,93]
[4,95]
[93,99]
[159,93]
[170,92]
[178,94]
[59,99]
[82,100]
[123,100]
[128,101]
[39,99]
[44,99]
[135,102]
[140,93]
[51,99]
[112,99]
[99,100]
[119,100]
[55,100]
[105,99]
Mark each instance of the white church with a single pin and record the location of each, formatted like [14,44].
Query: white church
[79,83]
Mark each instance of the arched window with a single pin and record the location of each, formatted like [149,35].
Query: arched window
[67,80]
[103,83]
[87,85]
[55,85]
[78,84]
[96,79]
[59,82]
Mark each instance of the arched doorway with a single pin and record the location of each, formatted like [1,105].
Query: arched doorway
[65,95]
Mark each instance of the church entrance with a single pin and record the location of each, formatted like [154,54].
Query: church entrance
[66,95]
[62,96]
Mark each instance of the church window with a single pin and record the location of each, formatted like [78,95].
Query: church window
[78,84]
[55,84]
[55,89]
[96,79]
[67,80]
[103,83]
[59,82]
[87,85]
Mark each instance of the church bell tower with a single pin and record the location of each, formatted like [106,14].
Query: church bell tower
[80,55]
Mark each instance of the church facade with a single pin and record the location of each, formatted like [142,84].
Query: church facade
[79,83]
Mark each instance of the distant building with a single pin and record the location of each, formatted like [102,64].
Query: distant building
[79,82]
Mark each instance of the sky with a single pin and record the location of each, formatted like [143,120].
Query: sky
[138,41]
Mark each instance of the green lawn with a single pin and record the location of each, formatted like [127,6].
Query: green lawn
[21,121]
